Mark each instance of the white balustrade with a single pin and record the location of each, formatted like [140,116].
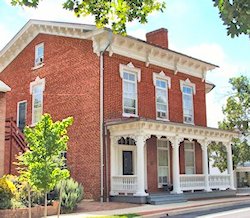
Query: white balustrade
[124,184]
[219,181]
[192,182]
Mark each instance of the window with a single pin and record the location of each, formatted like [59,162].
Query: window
[37,103]
[188,90]
[36,90]
[129,93]
[161,99]
[189,148]
[162,83]
[64,158]
[163,162]
[39,54]
[130,75]
[21,114]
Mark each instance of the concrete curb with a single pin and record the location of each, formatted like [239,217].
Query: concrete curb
[192,208]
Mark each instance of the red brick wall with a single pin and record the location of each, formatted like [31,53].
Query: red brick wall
[146,92]
[71,89]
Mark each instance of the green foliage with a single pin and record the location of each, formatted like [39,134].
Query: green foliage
[236,16]
[112,12]
[42,165]
[72,193]
[7,193]
[237,117]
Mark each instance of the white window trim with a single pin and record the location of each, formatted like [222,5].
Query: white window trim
[130,68]
[38,81]
[193,150]
[17,118]
[167,79]
[36,55]
[169,174]
[188,83]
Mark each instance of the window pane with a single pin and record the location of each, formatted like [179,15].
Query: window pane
[129,111]
[129,102]
[187,90]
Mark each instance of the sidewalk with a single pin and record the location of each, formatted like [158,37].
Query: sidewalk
[148,210]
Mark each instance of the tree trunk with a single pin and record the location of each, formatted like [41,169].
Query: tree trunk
[29,201]
[60,200]
[45,205]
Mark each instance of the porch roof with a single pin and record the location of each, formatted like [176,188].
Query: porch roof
[138,126]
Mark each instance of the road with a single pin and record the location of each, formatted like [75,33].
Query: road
[239,211]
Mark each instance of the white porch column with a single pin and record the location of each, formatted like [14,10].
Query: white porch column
[204,146]
[140,143]
[113,162]
[230,165]
[176,164]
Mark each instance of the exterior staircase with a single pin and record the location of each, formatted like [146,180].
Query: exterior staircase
[165,198]
[14,138]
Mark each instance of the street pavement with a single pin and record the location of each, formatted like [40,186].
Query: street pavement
[240,211]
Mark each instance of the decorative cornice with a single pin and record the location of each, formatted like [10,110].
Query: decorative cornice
[172,130]
[125,46]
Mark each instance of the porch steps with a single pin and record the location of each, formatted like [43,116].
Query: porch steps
[165,198]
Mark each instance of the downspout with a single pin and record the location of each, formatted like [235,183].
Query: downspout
[102,112]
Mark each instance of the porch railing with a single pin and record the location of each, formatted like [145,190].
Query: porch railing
[192,182]
[126,184]
[197,182]
[219,181]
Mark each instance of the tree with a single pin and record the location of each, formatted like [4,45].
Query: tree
[235,15]
[237,117]
[114,12]
[42,165]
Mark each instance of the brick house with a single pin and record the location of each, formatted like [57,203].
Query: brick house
[139,108]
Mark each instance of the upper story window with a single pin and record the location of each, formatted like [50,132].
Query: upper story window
[188,90]
[39,54]
[162,84]
[37,89]
[21,114]
[130,75]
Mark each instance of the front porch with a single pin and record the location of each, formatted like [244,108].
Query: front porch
[146,155]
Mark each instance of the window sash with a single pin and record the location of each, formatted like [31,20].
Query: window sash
[37,103]
[188,112]
[161,99]
[39,53]
[129,93]
[189,148]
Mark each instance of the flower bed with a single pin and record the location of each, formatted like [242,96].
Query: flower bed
[36,212]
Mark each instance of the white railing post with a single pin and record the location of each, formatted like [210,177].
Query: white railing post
[175,142]
[140,143]
[230,165]
[204,146]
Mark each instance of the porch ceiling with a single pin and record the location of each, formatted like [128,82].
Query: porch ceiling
[139,126]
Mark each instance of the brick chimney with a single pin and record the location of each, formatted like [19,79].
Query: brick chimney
[158,37]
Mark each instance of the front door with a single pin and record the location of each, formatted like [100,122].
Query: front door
[127,158]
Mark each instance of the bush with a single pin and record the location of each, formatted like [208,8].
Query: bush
[7,192]
[72,193]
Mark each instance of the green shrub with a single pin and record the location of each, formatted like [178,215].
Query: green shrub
[72,193]
[7,192]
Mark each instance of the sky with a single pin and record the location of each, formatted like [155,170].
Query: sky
[194,29]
